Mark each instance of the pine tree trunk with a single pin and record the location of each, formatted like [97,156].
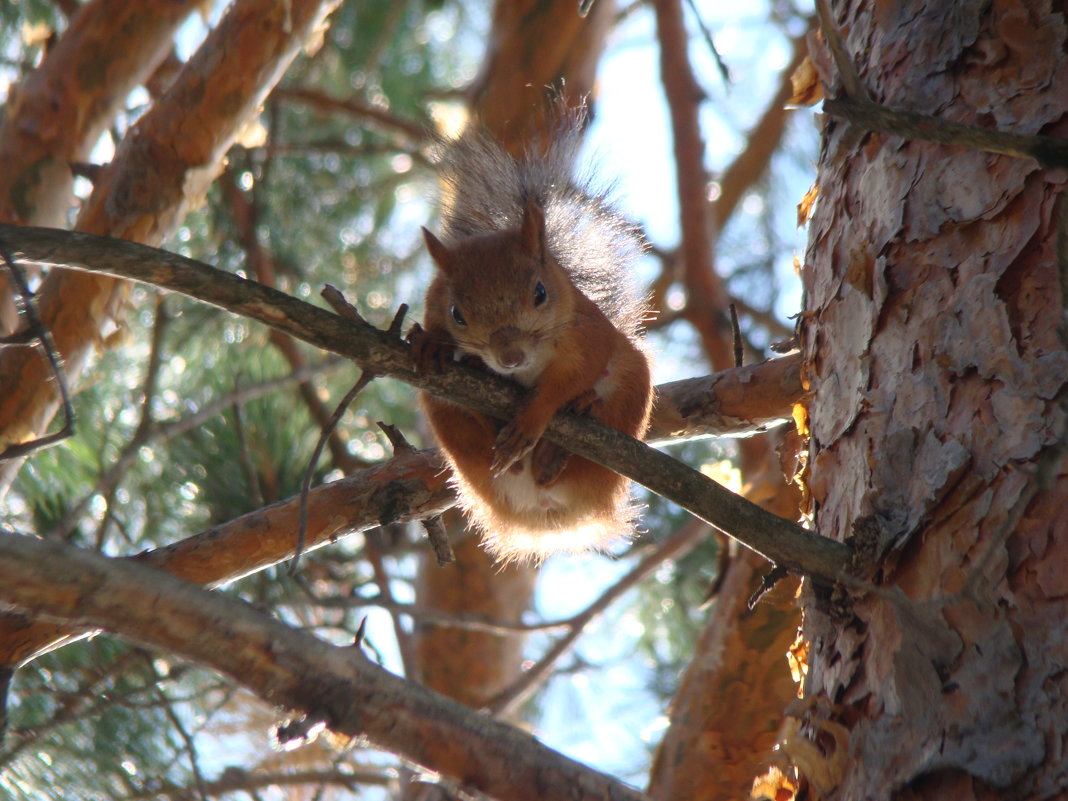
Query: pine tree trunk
[935,347]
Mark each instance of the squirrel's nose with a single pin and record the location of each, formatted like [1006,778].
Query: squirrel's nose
[512,357]
[508,349]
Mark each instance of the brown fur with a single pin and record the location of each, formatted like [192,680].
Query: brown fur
[502,296]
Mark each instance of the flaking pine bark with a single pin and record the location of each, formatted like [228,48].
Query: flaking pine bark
[934,345]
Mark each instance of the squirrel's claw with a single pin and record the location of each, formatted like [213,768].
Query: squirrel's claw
[548,462]
[429,352]
[513,443]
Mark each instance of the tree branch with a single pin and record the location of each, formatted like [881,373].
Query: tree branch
[707,300]
[413,483]
[410,486]
[292,669]
[1047,151]
[781,541]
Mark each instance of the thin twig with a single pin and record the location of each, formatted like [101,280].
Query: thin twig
[428,615]
[414,133]
[245,212]
[150,385]
[374,541]
[110,479]
[847,71]
[245,457]
[675,546]
[435,530]
[44,337]
[1047,151]
[366,377]
[438,536]
[190,745]
[721,65]
[736,335]
[236,780]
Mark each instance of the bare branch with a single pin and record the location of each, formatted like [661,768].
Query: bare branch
[412,133]
[264,537]
[305,486]
[39,332]
[1047,151]
[233,780]
[847,72]
[781,541]
[674,547]
[292,669]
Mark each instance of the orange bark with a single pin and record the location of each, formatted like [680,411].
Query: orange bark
[161,170]
[55,116]
[726,714]
[414,481]
[536,51]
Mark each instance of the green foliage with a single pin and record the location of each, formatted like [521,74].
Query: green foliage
[87,722]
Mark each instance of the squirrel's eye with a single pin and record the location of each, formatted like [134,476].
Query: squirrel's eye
[540,294]
[459,318]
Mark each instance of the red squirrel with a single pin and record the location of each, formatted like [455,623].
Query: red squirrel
[533,277]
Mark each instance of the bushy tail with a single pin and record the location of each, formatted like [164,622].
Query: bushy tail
[486,190]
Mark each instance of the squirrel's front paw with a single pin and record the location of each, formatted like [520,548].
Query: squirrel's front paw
[513,443]
[430,353]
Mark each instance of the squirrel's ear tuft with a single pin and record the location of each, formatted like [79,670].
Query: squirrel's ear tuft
[438,252]
[532,231]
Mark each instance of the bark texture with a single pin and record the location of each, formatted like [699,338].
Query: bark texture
[162,169]
[719,736]
[411,485]
[57,113]
[293,669]
[934,344]
[725,717]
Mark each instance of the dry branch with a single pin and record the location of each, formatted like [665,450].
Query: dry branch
[731,403]
[409,486]
[707,303]
[781,541]
[1047,151]
[292,669]
[55,116]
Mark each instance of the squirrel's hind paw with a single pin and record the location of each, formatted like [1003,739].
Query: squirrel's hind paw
[548,462]
[513,443]
[587,402]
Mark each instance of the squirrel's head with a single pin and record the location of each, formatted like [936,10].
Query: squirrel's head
[503,296]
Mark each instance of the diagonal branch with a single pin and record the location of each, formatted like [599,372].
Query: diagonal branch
[1048,151]
[781,541]
[293,669]
[410,486]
